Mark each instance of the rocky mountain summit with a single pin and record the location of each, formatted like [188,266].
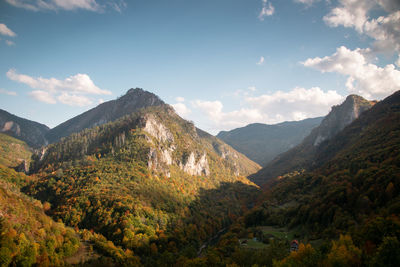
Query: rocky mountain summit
[132,101]
[303,155]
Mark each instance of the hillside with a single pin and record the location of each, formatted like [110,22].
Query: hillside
[343,213]
[28,236]
[31,132]
[14,152]
[303,156]
[262,142]
[149,182]
[132,101]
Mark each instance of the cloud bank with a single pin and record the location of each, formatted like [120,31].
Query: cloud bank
[364,78]
[296,104]
[71,91]
[384,30]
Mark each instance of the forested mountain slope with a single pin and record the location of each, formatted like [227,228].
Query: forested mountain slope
[303,156]
[28,236]
[14,152]
[345,212]
[150,182]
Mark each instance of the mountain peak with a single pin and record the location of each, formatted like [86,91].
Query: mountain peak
[134,100]
[136,91]
[303,154]
[358,100]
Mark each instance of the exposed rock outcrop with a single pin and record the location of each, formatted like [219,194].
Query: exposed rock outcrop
[157,130]
[193,167]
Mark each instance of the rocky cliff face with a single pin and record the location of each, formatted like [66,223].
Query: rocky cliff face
[339,117]
[192,158]
[303,155]
[132,101]
[31,132]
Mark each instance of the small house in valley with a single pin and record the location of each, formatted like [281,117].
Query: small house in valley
[294,245]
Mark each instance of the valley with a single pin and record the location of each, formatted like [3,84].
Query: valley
[131,183]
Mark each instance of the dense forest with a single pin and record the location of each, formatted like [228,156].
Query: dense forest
[150,189]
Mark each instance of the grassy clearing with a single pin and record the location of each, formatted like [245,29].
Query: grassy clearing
[252,244]
[279,233]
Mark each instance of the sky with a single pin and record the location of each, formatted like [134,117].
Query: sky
[222,64]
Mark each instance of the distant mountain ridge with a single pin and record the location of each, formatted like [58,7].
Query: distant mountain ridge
[262,142]
[132,101]
[303,155]
[33,133]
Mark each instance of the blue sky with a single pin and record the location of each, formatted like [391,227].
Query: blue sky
[222,64]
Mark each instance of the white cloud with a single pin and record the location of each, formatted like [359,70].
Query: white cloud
[267,10]
[398,61]
[364,78]
[385,30]
[261,61]
[74,100]
[179,99]
[306,2]
[252,88]
[43,96]
[54,5]
[220,120]
[4,30]
[182,110]
[79,83]
[6,92]
[10,43]
[297,104]
[70,91]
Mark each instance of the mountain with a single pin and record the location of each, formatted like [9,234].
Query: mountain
[31,132]
[262,142]
[177,142]
[132,101]
[149,186]
[303,156]
[344,212]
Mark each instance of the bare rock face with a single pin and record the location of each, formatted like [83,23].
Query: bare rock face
[339,117]
[23,167]
[12,127]
[161,154]
[200,167]
[158,130]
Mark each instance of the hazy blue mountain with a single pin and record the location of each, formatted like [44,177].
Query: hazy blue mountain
[262,142]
